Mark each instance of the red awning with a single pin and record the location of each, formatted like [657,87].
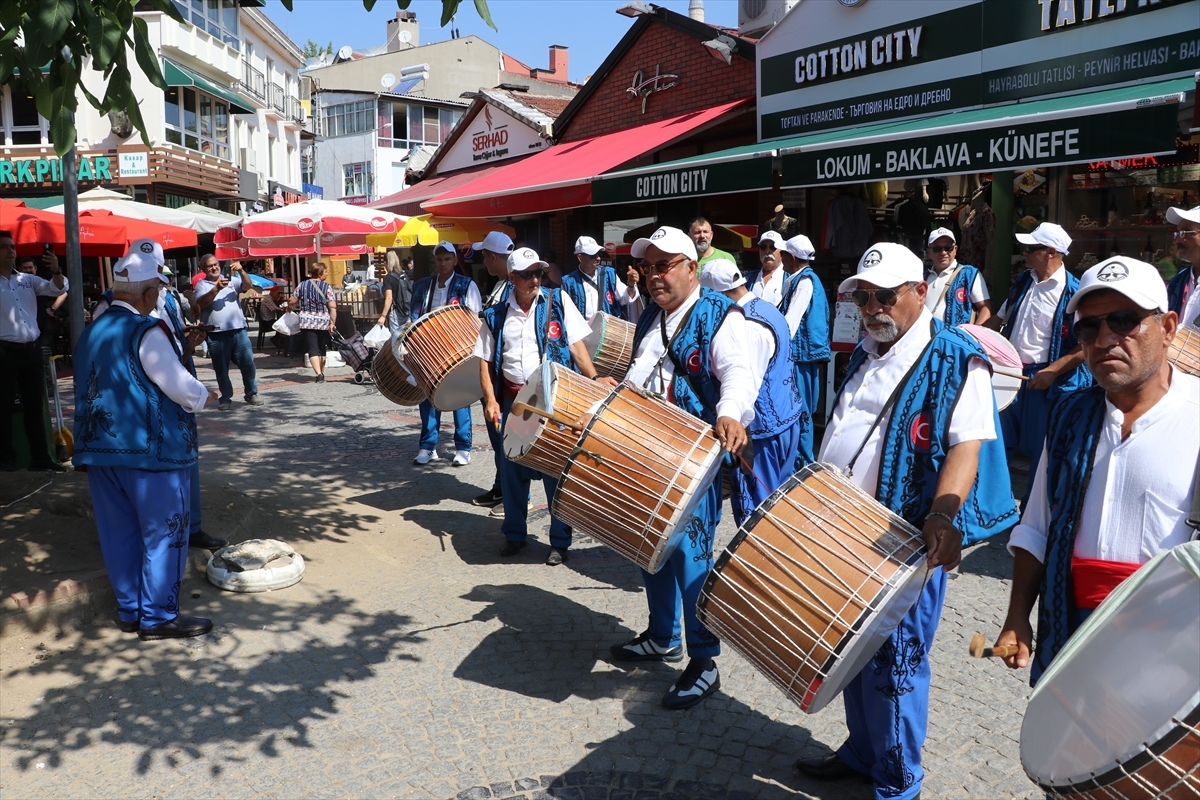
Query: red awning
[408,201]
[560,177]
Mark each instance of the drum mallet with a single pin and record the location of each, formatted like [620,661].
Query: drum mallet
[979,648]
[525,408]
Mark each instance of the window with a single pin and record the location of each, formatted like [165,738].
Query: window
[348,118]
[19,120]
[357,180]
[218,17]
[403,126]
[197,120]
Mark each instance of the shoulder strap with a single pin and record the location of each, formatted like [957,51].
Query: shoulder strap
[1193,518]
[946,289]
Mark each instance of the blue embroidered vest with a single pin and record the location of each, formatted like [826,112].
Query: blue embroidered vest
[693,388]
[917,439]
[456,293]
[121,418]
[549,322]
[811,342]
[178,337]
[505,292]
[606,290]
[958,297]
[1062,338]
[1176,290]
[779,404]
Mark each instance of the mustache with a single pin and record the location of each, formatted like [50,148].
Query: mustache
[878,318]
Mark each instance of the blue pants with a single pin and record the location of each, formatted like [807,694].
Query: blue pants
[142,520]
[226,346]
[514,486]
[431,422]
[808,380]
[1023,423]
[681,579]
[887,703]
[774,463]
[497,441]
[194,501]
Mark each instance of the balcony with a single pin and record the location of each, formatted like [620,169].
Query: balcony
[171,163]
[278,99]
[253,82]
[294,111]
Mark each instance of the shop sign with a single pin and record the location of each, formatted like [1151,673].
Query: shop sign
[42,171]
[493,136]
[643,87]
[283,195]
[312,192]
[649,185]
[134,165]
[1125,134]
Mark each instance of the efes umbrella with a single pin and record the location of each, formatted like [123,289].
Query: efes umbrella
[429,229]
[33,228]
[171,237]
[323,227]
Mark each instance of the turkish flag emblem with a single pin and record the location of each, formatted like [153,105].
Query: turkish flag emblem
[453,301]
[920,432]
[693,362]
[554,329]
[961,294]
[608,294]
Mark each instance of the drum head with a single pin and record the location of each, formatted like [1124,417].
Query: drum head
[595,339]
[687,507]
[459,388]
[1005,388]
[1120,679]
[522,430]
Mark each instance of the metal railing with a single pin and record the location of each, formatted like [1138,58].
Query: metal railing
[253,81]
[278,99]
[294,110]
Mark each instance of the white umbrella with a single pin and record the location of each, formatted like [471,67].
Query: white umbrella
[208,219]
[122,205]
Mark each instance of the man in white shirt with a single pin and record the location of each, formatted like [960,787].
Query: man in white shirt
[21,371]
[767,283]
[594,288]
[805,306]
[1183,293]
[1105,499]
[496,247]
[691,347]
[532,325]
[956,291]
[915,426]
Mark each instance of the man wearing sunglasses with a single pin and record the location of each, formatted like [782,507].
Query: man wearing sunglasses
[533,324]
[496,248]
[1183,293]
[768,282]
[691,347]
[594,288]
[1035,319]
[956,291]
[1104,500]
[805,306]
[915,426]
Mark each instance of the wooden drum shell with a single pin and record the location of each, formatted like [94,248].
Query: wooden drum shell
[439,353]
[392,379]
[1184,350]
[539,443]
[610,345]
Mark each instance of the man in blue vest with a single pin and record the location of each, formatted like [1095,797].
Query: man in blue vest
[779,411]
[769,280]
[444,288]
[496,247]
[956,291]
[594,288]
[1103,501]
[915,425]
[805,306]
[532,325]
[690,347]
[135,434]
[1183,293]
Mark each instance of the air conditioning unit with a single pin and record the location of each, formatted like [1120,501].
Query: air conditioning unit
[756,17]
[248,157]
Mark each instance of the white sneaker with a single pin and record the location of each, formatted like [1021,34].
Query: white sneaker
[425,456]
[462,458]
[498,509]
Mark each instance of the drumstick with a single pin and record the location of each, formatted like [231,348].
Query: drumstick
[523,408]
[1008,374]
[979,648]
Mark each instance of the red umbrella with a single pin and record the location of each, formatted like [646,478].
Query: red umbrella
[169,236]
[33,228]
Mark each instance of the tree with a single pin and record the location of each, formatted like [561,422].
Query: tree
[314,50]
[45,43]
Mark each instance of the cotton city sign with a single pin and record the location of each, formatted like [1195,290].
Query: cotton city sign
[886,48]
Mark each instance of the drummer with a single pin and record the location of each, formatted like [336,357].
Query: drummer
[690,346]
[915,425]
[956,291]
[594,288]
[444,288]
[779,411]
[534,323]
[1183,293]
[1102,502]
[496,248]
[770,281]
[805,306]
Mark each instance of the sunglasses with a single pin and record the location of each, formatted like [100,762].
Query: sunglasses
[885,297]
[1033,248]
[1121,323]
[1184,234]
[941,248]
[662,267]
[530,274]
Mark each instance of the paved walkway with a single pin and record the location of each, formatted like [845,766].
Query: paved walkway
[413,662]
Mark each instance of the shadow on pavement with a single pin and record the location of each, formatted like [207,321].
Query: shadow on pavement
[990,559]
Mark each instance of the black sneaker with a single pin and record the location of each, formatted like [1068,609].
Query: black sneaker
[512,548]
[697,682]
[253,400]
[643,648]
[489,499]
[224,405]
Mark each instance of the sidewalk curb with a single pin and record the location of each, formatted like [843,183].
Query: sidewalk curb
[69,603]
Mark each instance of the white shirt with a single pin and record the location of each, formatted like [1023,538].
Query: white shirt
[935,299]
[625,295]
[762,346]
[772,290]
[865,395]
[1137,501]
[802,294]
[473,300]
[1033,326]
[1191,308]
[164,369]
[520,357]
[726,361]
[18,305]
[494,297]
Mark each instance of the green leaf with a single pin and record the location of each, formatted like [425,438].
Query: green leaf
[368,4]
[403,4]
[168,8]
[146,57]
[449,9]
[43,96]
[106,37]
[91,98]
[62,131]
[287,4]
[481,7]
[53,17]
[135,116]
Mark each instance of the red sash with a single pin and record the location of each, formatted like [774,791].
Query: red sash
[508,389]
[1094,579]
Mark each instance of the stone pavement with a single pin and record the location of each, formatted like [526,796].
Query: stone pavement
[413,662]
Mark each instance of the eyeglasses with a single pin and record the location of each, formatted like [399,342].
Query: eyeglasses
[1121,323]
[941,248]
[766,246]
[662,267]
[1033,248]
[530,274]
[885,297]
[1184,234]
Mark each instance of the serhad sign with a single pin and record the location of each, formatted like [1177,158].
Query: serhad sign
[826,66]
[493,135]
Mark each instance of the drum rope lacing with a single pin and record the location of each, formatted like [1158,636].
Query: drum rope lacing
[1184,350]
[1186,779]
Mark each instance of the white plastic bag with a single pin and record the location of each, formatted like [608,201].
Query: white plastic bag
[378,337]
[288,324]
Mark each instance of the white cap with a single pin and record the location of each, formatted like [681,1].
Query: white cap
[586,244]
[147,247]
[167,271]
[669,240]
[138,266]
[770,236]
[887,265]
[446,246]
[495,242]
[721,275]
[1048,234]
[801,247]
[938,233]
[1178,215]
[524,259]
[1137,280]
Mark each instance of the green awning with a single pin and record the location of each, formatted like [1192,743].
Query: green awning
[182,76]
[40,202]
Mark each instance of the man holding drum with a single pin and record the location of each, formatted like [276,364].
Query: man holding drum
[595,288]
[690,347]
[496,247]
[915,424]
[444,288]
[1103,501]
[532,325]
[956,291]
[1183,293]
[806,309]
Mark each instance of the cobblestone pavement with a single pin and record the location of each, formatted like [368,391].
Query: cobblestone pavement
[412,661]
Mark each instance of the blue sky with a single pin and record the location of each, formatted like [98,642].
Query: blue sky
[590,28]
